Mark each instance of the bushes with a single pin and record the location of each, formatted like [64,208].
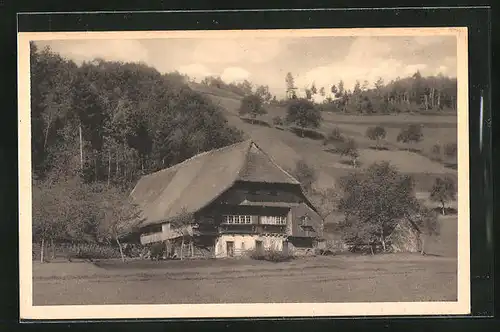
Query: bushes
[309,133]
[334,136]
[271,255]
[450,150]
[278,121]
[411,134]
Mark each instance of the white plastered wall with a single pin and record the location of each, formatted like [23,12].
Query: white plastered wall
[246,243]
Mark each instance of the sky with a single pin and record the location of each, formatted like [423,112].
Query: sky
[265,61]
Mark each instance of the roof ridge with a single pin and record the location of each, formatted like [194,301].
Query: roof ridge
[197,156]
[275,163]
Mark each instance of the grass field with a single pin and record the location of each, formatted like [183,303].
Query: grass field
[384,278]
[341,278]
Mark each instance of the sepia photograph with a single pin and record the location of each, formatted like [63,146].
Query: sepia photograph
[243,173]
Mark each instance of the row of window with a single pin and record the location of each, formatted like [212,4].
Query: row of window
[265,220]
[273,220]
[237,219]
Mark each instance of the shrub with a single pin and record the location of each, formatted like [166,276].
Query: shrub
[253,121]
[412,133]
[271,255]
[278,121]
[350,149]
[436,152]
[450,150]
[376,133]
[436,149]
[335,135]
[91,251]
[309,133]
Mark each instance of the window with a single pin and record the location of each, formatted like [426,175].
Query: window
[242,245]
[237,219]
[273,220]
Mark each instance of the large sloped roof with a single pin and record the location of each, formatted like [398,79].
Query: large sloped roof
[196,182]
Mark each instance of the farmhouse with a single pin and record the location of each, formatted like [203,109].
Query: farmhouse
[235,199]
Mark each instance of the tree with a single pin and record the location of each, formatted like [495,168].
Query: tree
[290,85]
[308,94]
[50,212]
[64,209]
[252,105]
[412,133]
[350,149]
[424,222]
[379,84]
[376,134]
[305,174]
[263,93]
[357,88]
[443,191]
[334,90]
[340,89]
[322,91]
[365,86]
[121,217]
[374,203]
[314,90]
[302,113]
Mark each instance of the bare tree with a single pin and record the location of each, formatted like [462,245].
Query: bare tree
[120,217]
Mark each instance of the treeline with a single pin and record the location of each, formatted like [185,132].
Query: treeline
[243,89]
[111,121]
[95,129]
[410,94]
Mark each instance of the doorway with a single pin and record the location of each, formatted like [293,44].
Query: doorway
[259,247]
[230,248]
[285,247]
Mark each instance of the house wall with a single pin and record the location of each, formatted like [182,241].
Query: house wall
[248,241]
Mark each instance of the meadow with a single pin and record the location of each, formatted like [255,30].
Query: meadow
[338,278]
[286,148]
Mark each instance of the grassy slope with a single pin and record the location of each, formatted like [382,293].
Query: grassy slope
[286,148]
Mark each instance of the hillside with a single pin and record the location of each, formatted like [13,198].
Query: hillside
[287,148]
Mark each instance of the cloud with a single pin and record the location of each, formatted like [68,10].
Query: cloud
[234,74]
[195,71]
[227,51]
[111,50]
[367,59]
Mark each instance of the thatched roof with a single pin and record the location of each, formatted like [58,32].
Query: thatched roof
[196,182]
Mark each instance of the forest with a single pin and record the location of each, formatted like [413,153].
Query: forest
[96,128]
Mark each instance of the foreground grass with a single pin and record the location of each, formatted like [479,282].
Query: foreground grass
[320,279]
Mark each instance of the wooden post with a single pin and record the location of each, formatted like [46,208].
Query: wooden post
[109,166]
[41,250]
[81,146]
[53,248]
